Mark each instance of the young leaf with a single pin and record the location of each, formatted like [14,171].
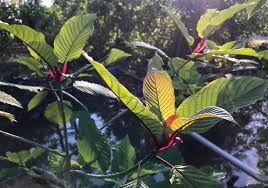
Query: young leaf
[228,93]
[159,94]
[114,56]
[73,36]
[35,41]
[93,89]
[149,119]
[8,99]
[214,18]
[191,177]
[32,64]
[8,116]
[124,156]
[176,17]
[37,100]
[53,114]
[92,144]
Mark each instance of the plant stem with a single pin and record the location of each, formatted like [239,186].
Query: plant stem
[30,142]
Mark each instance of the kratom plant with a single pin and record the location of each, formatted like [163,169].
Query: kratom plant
[160,118]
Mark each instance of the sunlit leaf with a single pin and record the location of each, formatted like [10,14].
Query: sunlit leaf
[37,100]
[73,36]
[213,18]
[53,113]
[114,56]
[92,144]
[176,17]
[32,64]
[35,89]
[240,51]
[263,54]
[253,9]
[93,89]
[56,163]
[159,94]
[7,115]
[191,177]
[149,119]
[227,93]
[124,156]
[134,184]
[34,40]
[8,99]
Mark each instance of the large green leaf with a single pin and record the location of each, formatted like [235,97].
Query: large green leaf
[213,18]
[253,9]
[114,56]
[92,144]
[53,114]
[8,99]
[176,17]
[23,156]
[124,156]
[32,64]
[35,41]
[56,163]
[73,36]
[37,100]
[240,51]
[8,116]
[191,177]
[93,89]
[149,119]
[228,93]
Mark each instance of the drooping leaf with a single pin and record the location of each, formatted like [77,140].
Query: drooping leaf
[227,93]
[93,89]
[253,9]
[7,115]
[213,18]
[191,177]
[53,113]
[114,56]
[24,156]
[134,184]
[207,113]
[124,156]
[35,41]
[155,63]
[148,46]
[176,17]
[149,119]
[32,64]
[8,99]
[159,94]
[35,89]
[240,51]
[37,100]
[92,144]
[73,36]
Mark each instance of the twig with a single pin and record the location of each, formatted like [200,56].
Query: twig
[138,177]
[30,142]
[76,100]
[113,119]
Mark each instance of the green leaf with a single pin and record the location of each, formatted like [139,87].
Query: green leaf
[93,89]
[176,17]
[240,51]
[114,56]
[149,119]
[32,64]
[263,54]
[37,100]
[8,116]
[73,36]
[35,89]
[134,184]
[8,99]
[124,156]
[92,144]
[24,156]
[8,173]
[227,93]
[35,41]
[213,18]
[253,9]
[191,177]
[155,63]
[56,163]
[53,114]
